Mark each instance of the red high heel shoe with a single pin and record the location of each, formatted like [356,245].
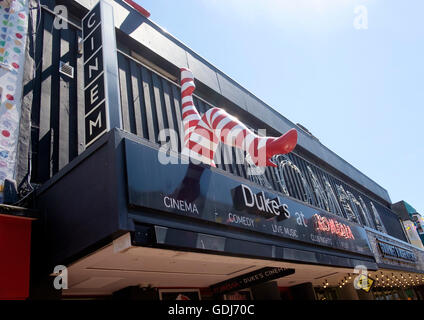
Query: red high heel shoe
[282,145]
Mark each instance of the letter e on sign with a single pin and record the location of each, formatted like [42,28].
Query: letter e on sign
[94,94]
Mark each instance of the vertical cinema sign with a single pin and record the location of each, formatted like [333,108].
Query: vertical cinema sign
[101,86]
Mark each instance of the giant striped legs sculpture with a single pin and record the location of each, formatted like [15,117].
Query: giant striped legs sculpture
[202,134]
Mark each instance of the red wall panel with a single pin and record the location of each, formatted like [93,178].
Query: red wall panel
[15,248]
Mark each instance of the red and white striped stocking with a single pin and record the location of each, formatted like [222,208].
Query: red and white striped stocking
[202,134]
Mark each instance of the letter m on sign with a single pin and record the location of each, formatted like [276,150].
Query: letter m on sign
[95,123]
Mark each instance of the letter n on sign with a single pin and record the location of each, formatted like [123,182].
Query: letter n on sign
[101,86]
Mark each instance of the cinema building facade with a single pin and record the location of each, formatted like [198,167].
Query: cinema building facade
[130,217]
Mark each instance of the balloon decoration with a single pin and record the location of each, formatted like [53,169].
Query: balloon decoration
[13,34]
[202,134]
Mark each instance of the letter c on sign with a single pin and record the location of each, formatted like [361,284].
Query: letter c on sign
[89,23]
[164,202]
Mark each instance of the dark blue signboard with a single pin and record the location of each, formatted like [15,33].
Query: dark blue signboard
[394,252]
[101,93]
[205,193]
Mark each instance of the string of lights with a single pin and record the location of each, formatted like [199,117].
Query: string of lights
[382,279]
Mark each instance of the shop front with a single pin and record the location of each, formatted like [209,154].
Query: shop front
[126,215]
[401,268]
[178,225]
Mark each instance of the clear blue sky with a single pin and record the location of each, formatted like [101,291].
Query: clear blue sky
[361,92]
